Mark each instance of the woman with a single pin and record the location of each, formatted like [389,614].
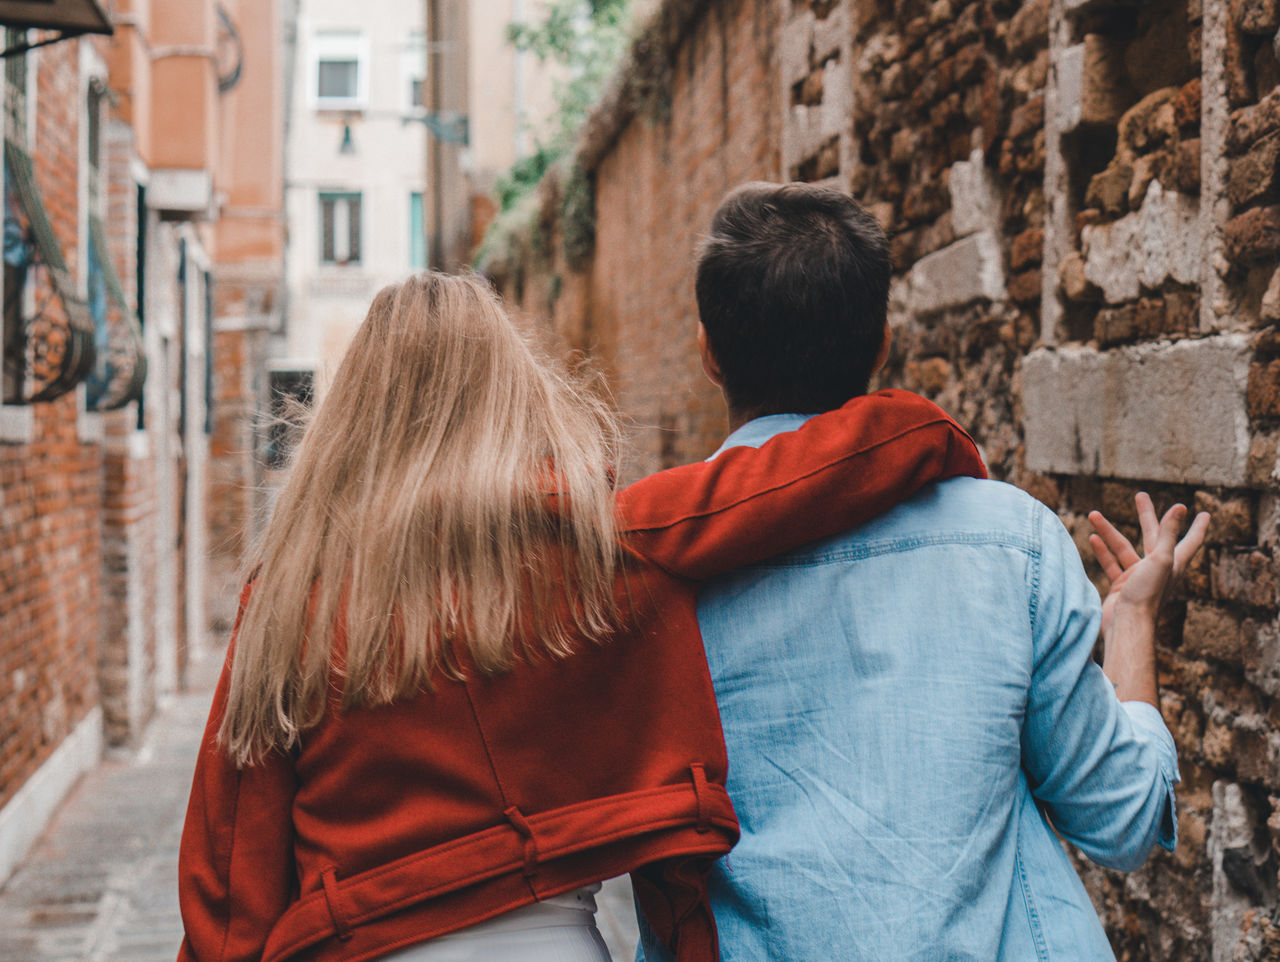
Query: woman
[460,689]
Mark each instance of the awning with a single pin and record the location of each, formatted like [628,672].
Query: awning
[57,356]
[121,365]
[73,16]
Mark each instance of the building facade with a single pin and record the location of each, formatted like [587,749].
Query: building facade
[356,168]
[135,232]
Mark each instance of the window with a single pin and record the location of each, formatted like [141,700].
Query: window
[340,70]
[414,70]
[291,394]
[340,228]
[417,233]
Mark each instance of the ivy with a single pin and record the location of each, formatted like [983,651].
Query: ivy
[586,40]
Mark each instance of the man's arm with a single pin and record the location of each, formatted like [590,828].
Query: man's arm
[840,469]
[1137,589]
[1103,770]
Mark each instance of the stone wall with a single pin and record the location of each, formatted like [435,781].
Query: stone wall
[1085,224]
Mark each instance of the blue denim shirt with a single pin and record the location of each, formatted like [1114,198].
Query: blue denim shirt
[908,708]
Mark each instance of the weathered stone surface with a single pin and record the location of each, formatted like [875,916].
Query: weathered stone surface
[975,203]
[1232,518]
[1158,412]
[1213,632]
[1253,235]
[1269,309]
[1149,121]
[1184,167]
[1256,16]
[1160,241]
[1026,119]
[1026,286]
[968,270]
[1092,88]
[1264,389]
[1249,124]
[1029,28]
[1186,105]
[1108,190]
[1253,176]
[1247,577]
[1075,285]
[1027,248]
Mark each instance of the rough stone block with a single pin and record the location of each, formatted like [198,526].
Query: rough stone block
[1156,412]
[1253,235]
[1212,632]
[1256,16]
[1026,286]
[1249,124]
[1027,248]
[1183,172]
[1252,176]
[1159,241]
[1092,88]
[968,270]
[1247,577]
[1232,518]
[1264,389]
[1108,190]
[1075,286]
[1186,105]
[1026,119]
[1029,28]
[975,202]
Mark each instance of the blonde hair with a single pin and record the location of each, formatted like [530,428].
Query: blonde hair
[453,485]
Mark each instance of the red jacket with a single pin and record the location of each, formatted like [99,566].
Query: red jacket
[394,824]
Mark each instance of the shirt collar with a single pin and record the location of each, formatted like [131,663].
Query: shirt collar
[756,432]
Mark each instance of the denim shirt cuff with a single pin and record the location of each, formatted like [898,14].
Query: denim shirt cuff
[1149,726]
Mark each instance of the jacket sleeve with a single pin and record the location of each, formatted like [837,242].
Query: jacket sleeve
[838,470]
[235,865]
[1102,770]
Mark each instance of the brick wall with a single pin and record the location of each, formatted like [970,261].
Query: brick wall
[50,540]
[1085,225]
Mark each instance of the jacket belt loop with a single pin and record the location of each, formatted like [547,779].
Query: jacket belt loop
[699,773]
[329,878]
[521,825]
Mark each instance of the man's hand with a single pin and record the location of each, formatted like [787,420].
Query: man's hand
[1138,585]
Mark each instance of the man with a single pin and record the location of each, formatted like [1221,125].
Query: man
[910,706]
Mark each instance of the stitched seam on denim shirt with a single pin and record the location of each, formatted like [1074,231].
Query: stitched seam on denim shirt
[896,545]
[1029,902]
[1034,607]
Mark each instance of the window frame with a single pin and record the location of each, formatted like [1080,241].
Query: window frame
[344,197]
[413,68]
[339,45]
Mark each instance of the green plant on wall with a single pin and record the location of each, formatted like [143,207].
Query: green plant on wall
[586,39]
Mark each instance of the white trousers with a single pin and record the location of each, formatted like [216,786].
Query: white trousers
[560,930]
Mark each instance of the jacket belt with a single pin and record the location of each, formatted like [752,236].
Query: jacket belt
[516,846]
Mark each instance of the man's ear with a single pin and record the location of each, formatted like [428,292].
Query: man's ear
[710,366]
[882,356]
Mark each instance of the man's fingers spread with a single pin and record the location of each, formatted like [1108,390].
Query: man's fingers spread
[1124,552]
[1147,520]
[1170,525]
[1191,542]
[1110,567]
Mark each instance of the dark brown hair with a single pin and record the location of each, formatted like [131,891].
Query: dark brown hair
[793,289]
